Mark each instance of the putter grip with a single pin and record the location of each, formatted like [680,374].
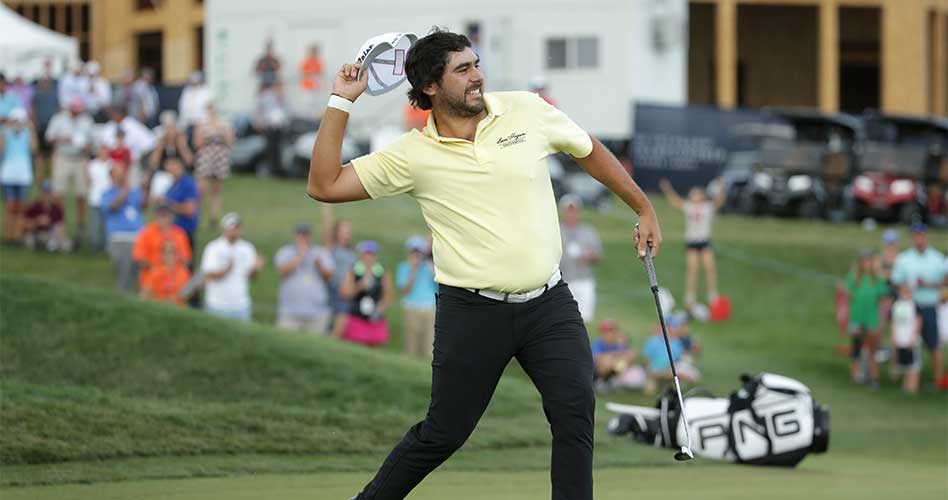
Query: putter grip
[650,269]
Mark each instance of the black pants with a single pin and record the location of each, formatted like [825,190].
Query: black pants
[475,338]
[274,150]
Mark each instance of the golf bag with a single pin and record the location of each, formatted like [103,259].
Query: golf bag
[770,420]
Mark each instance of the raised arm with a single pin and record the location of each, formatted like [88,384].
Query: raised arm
[670,193]
[605,168]
[328,180]
[721,197]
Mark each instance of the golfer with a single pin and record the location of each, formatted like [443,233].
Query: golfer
[479,172]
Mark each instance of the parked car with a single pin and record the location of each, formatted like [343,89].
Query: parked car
[903,169]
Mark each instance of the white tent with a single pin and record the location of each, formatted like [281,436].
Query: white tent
[25,45]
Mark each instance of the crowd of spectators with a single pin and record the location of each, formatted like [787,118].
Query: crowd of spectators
[899,297]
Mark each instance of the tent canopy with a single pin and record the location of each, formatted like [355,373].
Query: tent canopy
[25,46]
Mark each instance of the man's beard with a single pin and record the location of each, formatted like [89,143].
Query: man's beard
[458,105]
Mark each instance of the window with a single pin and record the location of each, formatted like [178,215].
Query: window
[556,53]
[587,52]
[569,53]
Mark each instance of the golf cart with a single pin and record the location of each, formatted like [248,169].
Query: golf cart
[568,177]
[797,162]
[902,162]
[250,153]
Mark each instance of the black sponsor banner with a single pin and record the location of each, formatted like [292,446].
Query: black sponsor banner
[687,145]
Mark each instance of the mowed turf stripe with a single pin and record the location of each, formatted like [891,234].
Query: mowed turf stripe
[852,477]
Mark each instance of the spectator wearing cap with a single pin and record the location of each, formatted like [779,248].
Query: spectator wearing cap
[98,94]
[582,250]
[17,148]
[8,100]
[44,223]
[368,287]
[228,264]
[415,279]
[305,270]
[655,354]
[122,206]
[164,282]
[613,357]
[71,133]
[147,252]
[924,269]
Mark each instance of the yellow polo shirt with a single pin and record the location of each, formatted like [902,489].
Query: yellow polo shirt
[489,203]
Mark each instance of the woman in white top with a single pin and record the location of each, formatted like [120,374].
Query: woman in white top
[699,212]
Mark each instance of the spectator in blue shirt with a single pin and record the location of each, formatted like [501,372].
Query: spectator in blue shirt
[923,269]
[183,199]
[415,280]
[656,355]
[123,220]
[614,359]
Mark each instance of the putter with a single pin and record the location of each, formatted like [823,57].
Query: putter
[685,452]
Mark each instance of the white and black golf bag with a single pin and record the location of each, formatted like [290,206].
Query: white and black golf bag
[770,420]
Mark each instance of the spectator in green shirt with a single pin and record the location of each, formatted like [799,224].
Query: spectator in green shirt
[866,289]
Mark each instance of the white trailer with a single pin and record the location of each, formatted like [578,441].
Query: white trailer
[598,57]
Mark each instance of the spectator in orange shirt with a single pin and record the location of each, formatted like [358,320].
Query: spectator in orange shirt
[311,77]
[151,239]
[164,282]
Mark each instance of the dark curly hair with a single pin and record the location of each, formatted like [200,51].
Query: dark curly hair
[426,62]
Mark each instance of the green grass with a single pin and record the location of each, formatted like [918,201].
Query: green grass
[100,387]
[857,478]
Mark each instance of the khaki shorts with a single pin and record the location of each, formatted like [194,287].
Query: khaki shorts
[318,325]
[70,176]
[418,326]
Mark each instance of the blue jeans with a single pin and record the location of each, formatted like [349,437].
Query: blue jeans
[238,314]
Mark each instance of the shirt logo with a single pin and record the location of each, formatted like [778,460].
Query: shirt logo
[512,139]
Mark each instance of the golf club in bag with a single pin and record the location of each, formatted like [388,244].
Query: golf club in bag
[684,453]
[771,420]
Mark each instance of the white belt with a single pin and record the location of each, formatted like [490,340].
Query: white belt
[520,297]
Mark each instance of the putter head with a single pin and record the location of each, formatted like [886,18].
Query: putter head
[684,454]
